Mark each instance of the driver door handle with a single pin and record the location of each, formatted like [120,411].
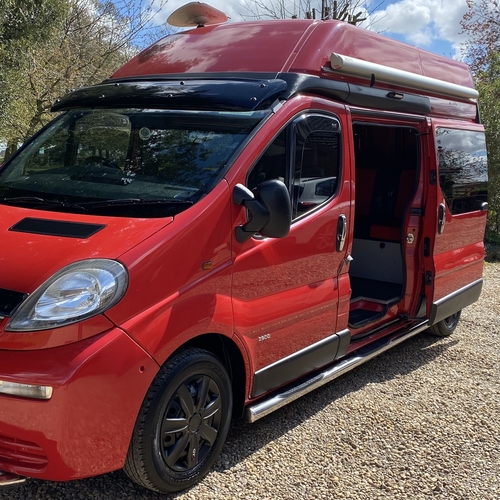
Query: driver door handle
[341,232]
[441,218]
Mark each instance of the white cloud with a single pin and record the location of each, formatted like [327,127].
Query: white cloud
[406,17]
[423,21]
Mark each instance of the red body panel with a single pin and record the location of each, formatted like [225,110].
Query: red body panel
[171,298]
[99,382]
[212,49]
[85,428]
[55,336]
[369,46]
[27,250]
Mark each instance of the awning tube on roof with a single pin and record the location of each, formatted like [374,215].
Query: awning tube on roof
[386,74]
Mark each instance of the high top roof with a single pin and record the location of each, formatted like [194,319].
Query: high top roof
[297,46]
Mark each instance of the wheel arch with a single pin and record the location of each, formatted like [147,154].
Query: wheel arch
[231,357]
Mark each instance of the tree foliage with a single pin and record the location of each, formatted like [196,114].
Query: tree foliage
[23,23]
[488,85]
[482,25]
[85,44]
[27,21]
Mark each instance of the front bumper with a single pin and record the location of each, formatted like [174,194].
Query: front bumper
[84,429]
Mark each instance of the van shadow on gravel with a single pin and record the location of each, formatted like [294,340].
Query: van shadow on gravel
[245,439]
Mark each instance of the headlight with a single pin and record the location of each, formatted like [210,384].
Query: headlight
[76,292]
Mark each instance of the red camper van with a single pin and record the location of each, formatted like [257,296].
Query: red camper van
[241,213]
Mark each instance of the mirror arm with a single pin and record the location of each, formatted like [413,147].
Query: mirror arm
[259,213]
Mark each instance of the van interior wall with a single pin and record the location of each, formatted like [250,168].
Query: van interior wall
[386,161]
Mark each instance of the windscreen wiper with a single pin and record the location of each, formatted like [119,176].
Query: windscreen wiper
[134,201]
[37,201]
[126,207]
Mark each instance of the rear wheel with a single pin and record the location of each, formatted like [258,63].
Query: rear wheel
[182,424]
[446,326]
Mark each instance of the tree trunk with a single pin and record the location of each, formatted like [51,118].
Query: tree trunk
[11,149]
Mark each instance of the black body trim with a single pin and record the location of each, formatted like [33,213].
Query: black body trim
[57,228]
[456,301]
[10,300]
[298,364]
[233,91]
[367,97]
[230,95]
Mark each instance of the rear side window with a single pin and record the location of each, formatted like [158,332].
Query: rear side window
[463,169]
[306,157]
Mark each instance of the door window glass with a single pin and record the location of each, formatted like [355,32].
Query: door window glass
[306,157]
[463,170]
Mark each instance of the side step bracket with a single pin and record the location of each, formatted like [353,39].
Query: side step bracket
[290,393]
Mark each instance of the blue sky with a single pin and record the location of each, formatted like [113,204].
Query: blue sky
[430,24]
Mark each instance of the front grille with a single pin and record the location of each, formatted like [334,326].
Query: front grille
[9,300]
[21,454]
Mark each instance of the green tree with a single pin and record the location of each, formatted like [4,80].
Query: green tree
[23,23]
[28,20]
[84,46]
[482,25]
[488,85]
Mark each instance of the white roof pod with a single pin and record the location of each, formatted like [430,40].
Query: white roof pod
[364,69]
[196,14]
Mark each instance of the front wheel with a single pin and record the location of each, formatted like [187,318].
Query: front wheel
[182,424]
[445,327]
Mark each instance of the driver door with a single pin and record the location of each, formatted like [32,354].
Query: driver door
[286,291]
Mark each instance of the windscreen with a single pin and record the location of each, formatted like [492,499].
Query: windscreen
[128,162]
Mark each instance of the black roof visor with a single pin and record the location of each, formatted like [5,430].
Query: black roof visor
[210,95]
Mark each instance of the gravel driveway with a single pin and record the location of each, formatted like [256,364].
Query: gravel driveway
[420,421]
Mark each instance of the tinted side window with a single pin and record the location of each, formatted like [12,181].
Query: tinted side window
[463,169]
[316,165]
[306,157]
[273,164]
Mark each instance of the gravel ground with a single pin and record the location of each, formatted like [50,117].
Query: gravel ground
[420,421]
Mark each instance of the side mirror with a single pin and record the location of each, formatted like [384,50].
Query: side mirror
[270,210]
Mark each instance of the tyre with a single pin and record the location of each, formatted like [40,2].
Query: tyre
[182,424]
[446,326]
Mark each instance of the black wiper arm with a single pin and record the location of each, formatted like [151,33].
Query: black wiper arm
[149,208]
[32,200]
[135,201]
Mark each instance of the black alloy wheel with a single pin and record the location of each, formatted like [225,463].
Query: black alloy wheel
[191,423]
[183,423]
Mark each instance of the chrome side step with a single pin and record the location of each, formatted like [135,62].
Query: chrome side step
[286,395]
[8,479]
